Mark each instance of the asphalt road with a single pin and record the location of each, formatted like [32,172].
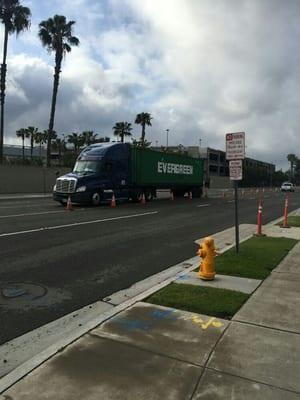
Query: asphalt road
[66,260]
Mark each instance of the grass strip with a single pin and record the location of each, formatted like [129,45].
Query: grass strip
[258,256]
[292,221]
[221,303]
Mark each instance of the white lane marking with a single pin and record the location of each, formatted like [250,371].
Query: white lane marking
[49,228]
[30,214]
[25,205]
[204,205]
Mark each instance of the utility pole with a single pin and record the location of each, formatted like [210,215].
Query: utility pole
[167,130]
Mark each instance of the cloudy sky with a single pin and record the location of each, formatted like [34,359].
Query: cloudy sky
[200,67]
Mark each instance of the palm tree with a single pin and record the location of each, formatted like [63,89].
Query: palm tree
[292,158]
[16,19]
[76,140]
[139,143]
[32,132]
[143,119]
[56,35]
[122,129]
[89,137]
[48,137]
[23,134]
[60,146]
[40,139]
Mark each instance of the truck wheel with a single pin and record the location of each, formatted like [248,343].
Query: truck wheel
[148,195]
[96,199]
[135,196]
[179,192]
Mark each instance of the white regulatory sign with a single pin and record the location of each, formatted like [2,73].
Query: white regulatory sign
[236,170]
[235,146]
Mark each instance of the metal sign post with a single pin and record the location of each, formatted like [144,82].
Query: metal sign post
[236,214]
[235,153]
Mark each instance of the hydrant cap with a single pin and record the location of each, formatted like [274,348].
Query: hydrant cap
[209,241]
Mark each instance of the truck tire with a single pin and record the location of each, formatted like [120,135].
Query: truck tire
[96,199]
[135,196]
[179,192]
[149,194]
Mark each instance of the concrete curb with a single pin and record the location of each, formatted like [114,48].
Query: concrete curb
[295,212]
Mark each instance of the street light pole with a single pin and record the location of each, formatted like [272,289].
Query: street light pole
[167,130]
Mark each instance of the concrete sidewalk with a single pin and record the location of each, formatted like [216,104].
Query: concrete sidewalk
[151,352]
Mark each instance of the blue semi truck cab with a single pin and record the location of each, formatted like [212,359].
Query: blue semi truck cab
[100,170]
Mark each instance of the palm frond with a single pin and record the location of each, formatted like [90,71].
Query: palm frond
[14,16]
[56,34]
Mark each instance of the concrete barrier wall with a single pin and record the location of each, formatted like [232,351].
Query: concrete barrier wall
[220,182]
[253,191]
[26,179]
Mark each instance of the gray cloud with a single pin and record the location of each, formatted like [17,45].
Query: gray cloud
[200,68]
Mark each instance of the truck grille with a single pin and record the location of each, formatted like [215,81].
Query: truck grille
[66,185]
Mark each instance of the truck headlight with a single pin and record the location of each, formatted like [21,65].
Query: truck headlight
[81,189]
[54,188]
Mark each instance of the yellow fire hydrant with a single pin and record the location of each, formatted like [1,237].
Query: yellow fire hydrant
[207,252]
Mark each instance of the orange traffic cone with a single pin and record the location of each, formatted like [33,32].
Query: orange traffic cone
[285,214]
[69,204]
[113,201]
[143,199]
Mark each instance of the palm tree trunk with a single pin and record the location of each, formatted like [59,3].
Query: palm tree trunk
[143,133]
[2,90]
[31,146]
[58,60]
[23,147]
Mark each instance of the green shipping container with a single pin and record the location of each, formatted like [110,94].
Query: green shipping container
[159,169]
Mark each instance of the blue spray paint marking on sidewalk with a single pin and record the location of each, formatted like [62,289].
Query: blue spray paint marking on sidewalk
[164,314]
[156,316]
[134,324]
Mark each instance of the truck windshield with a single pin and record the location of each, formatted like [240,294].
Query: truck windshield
[86,167]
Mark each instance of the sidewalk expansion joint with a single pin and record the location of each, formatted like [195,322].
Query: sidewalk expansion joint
[109,302]
[251,380]
[265,326]
[208,358]
[284,272]
[126,344]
